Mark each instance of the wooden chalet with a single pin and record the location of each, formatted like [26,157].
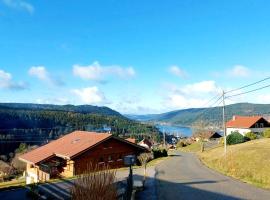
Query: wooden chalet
[73,153]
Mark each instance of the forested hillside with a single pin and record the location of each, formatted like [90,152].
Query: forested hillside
[213,116]
[31,124]
[89,109]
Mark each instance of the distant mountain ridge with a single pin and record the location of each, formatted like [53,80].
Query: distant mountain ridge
[84,109]
[213,115]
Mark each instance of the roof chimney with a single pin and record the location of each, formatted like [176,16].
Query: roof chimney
[234,117]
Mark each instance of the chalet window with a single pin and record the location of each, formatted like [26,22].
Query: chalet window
[101,160]
[110,158]
[262,125]
[256,125]
[119,158]
[105,146]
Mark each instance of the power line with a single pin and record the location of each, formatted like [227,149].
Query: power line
[248,91]
[218,95]
[219,100]
[245,86]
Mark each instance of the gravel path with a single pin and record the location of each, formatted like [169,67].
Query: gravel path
[185,177]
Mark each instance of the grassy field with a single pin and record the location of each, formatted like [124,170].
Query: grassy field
[194,147]
[249,162]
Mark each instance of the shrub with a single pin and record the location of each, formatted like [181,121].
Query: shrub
[251,136]
[235,138]
[180,144]
[157,153]
[164,153]
[221,140]
[266,133]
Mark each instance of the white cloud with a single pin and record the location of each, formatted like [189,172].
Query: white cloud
[239,71]
[42,74]
[181,101]
[20,5]
[97,72]
[89,95]
[263,98]
[189,96]
[195,88]
[177,71]
[6,82]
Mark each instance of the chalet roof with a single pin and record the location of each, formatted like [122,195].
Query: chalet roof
[243,121]
[66,146]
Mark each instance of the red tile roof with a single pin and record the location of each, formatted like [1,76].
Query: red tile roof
[66,146]
[242,121]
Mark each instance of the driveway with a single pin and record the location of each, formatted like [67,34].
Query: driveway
[61,189]
[185,177]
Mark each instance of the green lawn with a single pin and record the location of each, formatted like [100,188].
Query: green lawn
[13,183]
[249,162]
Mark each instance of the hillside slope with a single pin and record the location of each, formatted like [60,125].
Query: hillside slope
[38,124]
[248,162]
[212,115]
[68,108]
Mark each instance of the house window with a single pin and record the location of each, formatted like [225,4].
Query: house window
[256,125]
[262,125]
[101,160]
[109,158]
[119,157]
[105,146]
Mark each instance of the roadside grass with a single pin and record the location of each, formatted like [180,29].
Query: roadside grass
[248,162]
[16,183]
[194,147]
[156,161]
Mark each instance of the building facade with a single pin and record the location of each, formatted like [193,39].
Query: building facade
[77,153]
[245,124]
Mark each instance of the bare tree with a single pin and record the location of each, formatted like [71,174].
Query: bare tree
[95,184]
[200,130]
[144,158]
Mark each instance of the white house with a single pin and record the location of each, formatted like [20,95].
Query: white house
[146,143]
[245,124]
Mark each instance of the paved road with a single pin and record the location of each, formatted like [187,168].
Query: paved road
[184,177]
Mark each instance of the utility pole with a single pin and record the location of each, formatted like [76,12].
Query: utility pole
[224,123]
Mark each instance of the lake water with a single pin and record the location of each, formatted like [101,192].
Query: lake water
[175,130]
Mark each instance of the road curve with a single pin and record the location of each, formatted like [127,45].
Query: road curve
[185,177]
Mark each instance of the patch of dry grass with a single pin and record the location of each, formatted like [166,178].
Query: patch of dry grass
[249,162]
[194,147]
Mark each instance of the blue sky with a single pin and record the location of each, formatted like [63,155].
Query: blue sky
[133,56]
